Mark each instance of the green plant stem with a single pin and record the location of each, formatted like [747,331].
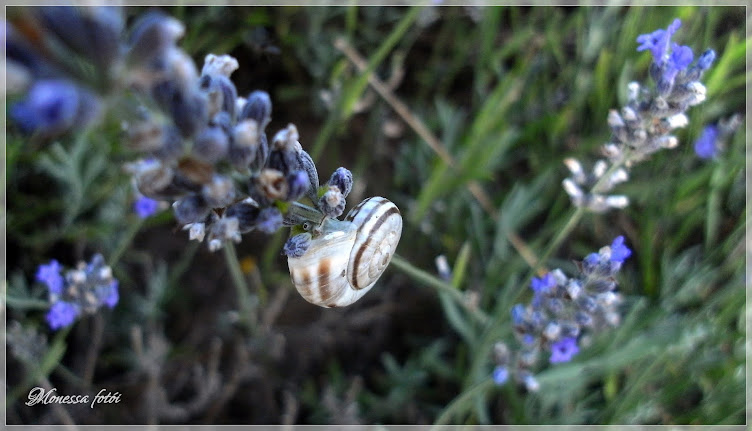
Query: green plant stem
[462,401]
[238,280]
[125,241]
[441,286]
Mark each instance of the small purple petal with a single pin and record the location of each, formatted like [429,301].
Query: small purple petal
[564,350]
[705,146]
[62,314]
[619,251]
[50,275]
[145,207]
[500,375]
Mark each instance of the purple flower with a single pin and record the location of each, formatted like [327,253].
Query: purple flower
[500,375]
[112,296]
[543,284]
[145,207]
[619,251]
[50,107]
[62,314]
[564,350]
[658,41]
[705,146]
[269,220]
[50,275]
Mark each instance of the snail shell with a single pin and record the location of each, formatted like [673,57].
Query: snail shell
[348,257]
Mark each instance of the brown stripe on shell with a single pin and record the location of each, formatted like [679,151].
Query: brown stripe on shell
[359,255]
[325,290]
[301,278]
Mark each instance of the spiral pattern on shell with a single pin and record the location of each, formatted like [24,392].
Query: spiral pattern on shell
[347,259]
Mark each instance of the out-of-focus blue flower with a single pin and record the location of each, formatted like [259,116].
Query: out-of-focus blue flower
[564,350]
[50,107]
[706,145]
[145,207]
[49,274]
[500,375]
[298,184]
[706,59]
[112,295]
[658,41]
[619,251]
[680,58]
[62,314]
[518,314]
[269,220]
[543,284]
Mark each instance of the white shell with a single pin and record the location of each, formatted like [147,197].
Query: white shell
[346,260]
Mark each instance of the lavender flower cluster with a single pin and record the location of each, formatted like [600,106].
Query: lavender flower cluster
[644,125]
[82,290]
[562,312]
[204,149]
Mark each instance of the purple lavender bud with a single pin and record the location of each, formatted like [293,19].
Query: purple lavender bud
[564,350]
[343,179]
[587,304]
[305,162]
[500,375]
[211,145]
[706,145]
[191,209]
[145,207]
[262,153]
[50,107]
[269,220]
[153,34]
[93,32]
[62,314]
[298,184]
[706,59]
[49,274]
[246,213]
[258,106]
[189,109]
[297,245]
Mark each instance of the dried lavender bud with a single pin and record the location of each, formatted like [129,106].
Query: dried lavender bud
[244,144]
[298,184]
[269,220]
[221,94]
[284,150]
[272,184]
[305,162]
[93,31]
[247,213]
[297,245]
[211,145]
[258,107]
[222,65]
[191,209]
[219,192]
[152,35]
[343,179]
[332,203]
